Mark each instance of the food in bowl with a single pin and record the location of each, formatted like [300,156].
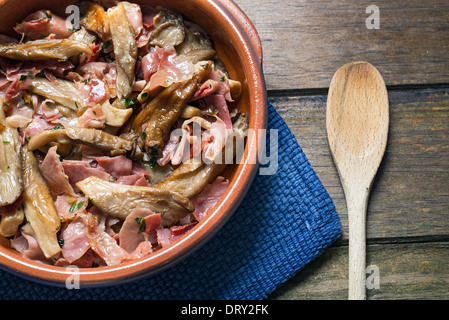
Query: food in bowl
[115,133]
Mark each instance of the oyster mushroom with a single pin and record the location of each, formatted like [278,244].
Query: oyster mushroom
[191,177]
[11,181]
[61,49]
[88,136]
[65,92]
[119,200]
[161,113]
[169,30]
[39,207]
[125,49]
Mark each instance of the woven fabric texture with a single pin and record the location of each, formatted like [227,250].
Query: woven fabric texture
[285,221]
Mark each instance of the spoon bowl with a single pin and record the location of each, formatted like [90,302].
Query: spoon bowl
[357,119]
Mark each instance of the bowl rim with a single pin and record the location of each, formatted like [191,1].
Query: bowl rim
[226,12]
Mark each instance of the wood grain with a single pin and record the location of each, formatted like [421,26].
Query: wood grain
[406,271]
[410,195]
[305,42]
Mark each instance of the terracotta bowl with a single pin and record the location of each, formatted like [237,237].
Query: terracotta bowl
[238,45]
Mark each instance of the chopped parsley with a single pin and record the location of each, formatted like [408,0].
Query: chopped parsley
[94,112]
[76,105]
[106,45]
[72,208]
[222,79]
[8,167]
[86,81]
[144,95]
[57,127]
[23,77]
[154,152]
[142,224]
[6,142]
[80,204]
[127,102]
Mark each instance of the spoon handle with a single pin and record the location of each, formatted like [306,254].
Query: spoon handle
[357,207]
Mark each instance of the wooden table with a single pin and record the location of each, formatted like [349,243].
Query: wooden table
[304,43]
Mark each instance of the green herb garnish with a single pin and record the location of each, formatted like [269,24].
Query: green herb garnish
[106,45]
[127,102]
[76,105]
[144,135]
[80,204]
[142,225]
[86,81]
[8,167]
[72,208]
[6,142]
[48,14]
[144,95]
[23,77]
[154,152]
[222,79]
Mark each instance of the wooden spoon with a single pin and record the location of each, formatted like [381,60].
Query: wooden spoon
[357,127]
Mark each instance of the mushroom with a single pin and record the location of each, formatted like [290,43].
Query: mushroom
[191,177]
[11,182]
[119,200]
[125,49]
[61,49]
[65,92]
[169,30]
[88,136]
[162,112]
[39,207]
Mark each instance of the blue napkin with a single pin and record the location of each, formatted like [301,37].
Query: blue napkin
[285,221]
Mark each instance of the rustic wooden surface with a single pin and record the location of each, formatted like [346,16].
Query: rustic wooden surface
[304,43]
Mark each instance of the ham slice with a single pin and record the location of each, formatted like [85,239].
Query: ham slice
[219,103]
[129,235]
[209,197]
[76,242]
[134,180]
[79,170]
[92,118]
[53,172]
[37,126]
[43,23]
[117,166]
[161,68]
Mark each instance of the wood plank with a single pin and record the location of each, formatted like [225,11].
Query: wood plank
[305,41]
[410,195]
[406,271]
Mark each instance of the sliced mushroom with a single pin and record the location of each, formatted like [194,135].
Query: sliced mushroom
[120,200]
[197,55]
[61,49]
[94,18]
[88,136]
[39,207]
[65,92]
[115,117]
[125,49]
[191,177]
[10,223]
[162,112]
[83,36]
[11,181]
[167,35]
